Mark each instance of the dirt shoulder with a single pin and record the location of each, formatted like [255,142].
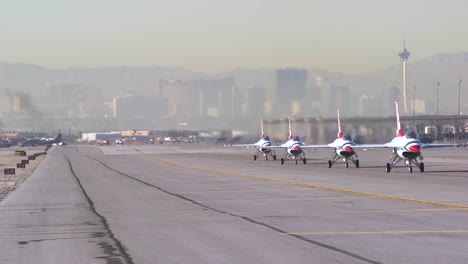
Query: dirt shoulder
[8,159]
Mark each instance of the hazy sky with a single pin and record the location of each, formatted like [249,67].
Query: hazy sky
[350,36]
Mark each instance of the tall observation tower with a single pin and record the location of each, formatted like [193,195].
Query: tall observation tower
[404,55]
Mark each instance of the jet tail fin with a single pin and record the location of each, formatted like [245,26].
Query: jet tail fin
[261,127]
[399,131]
[340,134]
[58,139]
[290,130]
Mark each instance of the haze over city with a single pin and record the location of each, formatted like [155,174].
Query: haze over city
[233,131]
[216,36]
[108,65]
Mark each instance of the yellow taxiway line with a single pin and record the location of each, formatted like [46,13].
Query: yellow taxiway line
[283,199]
[309,185]
[245,191]
[348,211]
[386,232]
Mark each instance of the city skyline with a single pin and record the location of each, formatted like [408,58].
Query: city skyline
[213,36]
[40,98]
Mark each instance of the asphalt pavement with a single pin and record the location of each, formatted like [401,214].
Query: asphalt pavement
[181,203]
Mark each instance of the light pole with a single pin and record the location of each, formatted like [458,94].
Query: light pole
[414,96]
[459,82]
[437,112]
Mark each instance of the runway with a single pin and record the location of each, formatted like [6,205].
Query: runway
[181,203]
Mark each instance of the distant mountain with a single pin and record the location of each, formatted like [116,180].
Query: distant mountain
[112,80]
[424,74]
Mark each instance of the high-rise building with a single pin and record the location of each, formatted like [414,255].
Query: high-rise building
[72,100]
[256,101]
[418,107]
[371,105]
[316,89]
[391,95]
[139,107]
[338,97]
[18,104]
[200,97]
[290,90]
[404,55]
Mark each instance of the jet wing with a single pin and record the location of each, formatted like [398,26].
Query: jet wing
[301,146]
[439,145]
[316,146]
[277,147]
[388,145]
[243,145]
[370,146]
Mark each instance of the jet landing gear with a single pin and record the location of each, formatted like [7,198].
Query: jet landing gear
[265,154]
[335,158]
[388,167]
[408,163]
[304,160]
[295,158]
[420,165]
[273,156]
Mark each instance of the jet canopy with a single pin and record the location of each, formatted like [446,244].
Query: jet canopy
[267,138]
[296,138]
[410,134]
[347,137]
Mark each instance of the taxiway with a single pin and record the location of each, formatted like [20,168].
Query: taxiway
[176,203]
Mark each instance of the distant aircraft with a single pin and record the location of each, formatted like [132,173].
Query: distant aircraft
[293,148]
[343,148]
[261,146]
[42,142]
[405,147]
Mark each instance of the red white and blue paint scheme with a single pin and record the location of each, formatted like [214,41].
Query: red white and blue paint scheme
[293,148]
[343,148]
[262,146]
[405,147]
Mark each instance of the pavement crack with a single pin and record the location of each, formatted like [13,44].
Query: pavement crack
[302,238]
[107,248]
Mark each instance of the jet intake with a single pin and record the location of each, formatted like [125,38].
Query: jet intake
[348,149]
[414,148]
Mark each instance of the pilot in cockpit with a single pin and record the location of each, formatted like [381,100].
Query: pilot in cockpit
[296,138]
[347,137]
[267,138]
[410,134]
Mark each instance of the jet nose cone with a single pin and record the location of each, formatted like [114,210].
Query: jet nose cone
[415,148]
[296,148]
[348,149]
